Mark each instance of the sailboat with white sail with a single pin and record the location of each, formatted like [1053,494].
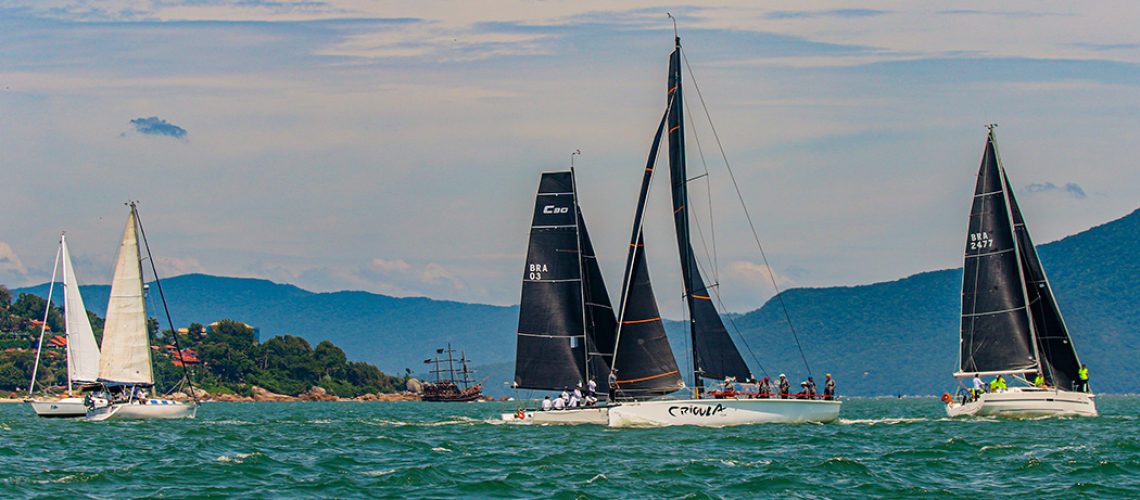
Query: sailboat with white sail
[1011,323]
[566,323]
[125,368]
[644,363]
[81,350]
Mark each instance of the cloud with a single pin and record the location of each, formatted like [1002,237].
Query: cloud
[177,266]
[761,271]
[813,14]
[157,126]
[1071,188]
[384,265]
[434,273]
[9,261]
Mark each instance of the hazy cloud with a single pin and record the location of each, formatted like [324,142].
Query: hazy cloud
[9,261]
[814,14]
[1071,188]
[157,126]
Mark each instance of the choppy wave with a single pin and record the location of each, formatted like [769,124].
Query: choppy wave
[880,447]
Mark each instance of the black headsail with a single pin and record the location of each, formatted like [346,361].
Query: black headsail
[642,357]
[714,353]
[1057,353]
[997,335]
[601,326]
[551,336]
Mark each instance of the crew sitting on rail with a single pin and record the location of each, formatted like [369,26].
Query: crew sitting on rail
[1039,380]
[547,404]
[592,388]
[559,404]
[997,384]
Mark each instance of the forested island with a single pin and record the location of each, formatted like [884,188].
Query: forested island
[225,358]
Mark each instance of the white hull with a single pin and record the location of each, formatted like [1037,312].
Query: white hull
[1026,402]
[62,408]
[154,408]
[598,416]
[722,412]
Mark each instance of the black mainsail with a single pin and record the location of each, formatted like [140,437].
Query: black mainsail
[643,359]
[714,353]
[1010,320]
[566,323]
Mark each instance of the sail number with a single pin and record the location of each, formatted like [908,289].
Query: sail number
[535,271]
[980,240]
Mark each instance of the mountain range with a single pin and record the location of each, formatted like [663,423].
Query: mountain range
[897,337]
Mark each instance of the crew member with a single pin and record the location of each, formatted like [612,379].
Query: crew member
[979,387]
[613,383]
[765,388]
[547,404]
[591,388]
[559,404]
[811,387]
[1039,380]
[784,386]
[1083,379]
[829,388]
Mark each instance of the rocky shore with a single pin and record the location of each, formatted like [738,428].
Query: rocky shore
[259,394]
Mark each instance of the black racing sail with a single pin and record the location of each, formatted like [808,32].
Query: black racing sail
[1057,353]
[714,353]
[601,326]
[997,333]
[642,357]
[551,351]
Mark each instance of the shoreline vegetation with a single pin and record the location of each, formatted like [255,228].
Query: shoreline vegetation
[226,361]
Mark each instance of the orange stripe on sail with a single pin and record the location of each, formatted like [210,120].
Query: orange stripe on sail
[639,245]
[674,129]
[636,321]
[679,209]
[649,170]
[672,89]
[643,379]
[702,297]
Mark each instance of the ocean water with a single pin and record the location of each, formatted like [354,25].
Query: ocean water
[881,447]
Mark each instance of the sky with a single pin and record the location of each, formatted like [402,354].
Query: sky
[395,147]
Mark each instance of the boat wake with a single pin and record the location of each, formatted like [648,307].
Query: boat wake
[239,458]
[877,421]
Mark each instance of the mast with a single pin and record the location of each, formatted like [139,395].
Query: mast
[581,271]
[450,364]
[66,308]
[713,352]
[43,327]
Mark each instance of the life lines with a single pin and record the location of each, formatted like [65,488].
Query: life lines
[946,397]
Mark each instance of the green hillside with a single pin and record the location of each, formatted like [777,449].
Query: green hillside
[897,337]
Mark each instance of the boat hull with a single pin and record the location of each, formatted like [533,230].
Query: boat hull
[575,416]
[62,408]
[723,412]
[1024,402]
[154,408]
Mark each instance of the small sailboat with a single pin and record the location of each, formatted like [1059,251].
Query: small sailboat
[125,369]
[82,351]
[643,361]
[1011,324]
[451,385]
[566,323]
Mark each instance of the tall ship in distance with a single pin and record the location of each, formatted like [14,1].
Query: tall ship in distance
[451,384]
[1011,324]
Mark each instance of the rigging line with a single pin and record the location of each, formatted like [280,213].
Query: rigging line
[716,292]
[708,193]
[43,327]
[748,216]
[165,308]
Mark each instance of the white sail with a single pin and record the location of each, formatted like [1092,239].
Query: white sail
[82,351]
[126,349]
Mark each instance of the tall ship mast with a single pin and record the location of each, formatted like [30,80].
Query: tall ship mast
[451,384]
